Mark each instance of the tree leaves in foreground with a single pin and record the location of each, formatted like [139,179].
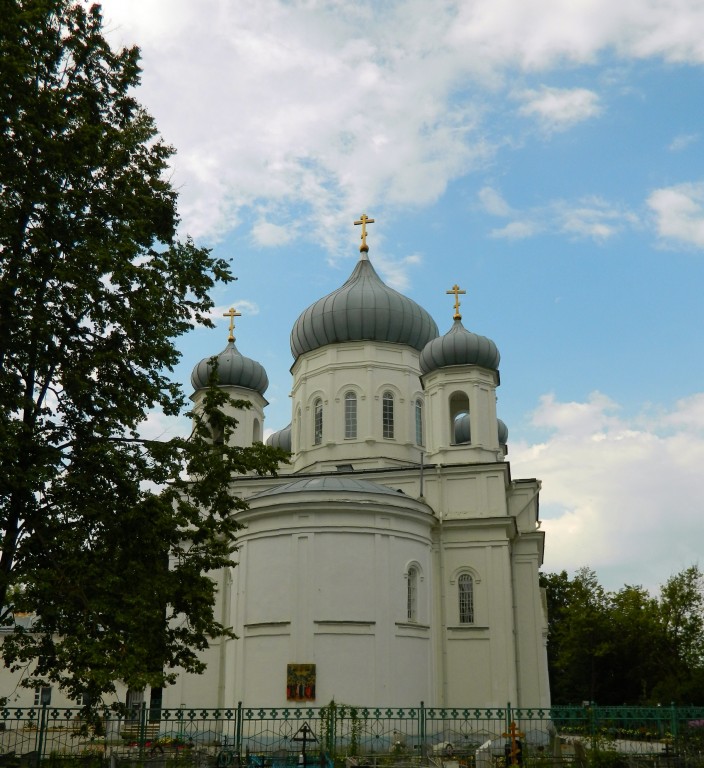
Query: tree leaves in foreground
[625,647]
[104,539]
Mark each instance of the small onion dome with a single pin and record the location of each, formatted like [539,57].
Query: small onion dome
[234,370]
[463,433]
[459,347]
[363,309]
[281,439]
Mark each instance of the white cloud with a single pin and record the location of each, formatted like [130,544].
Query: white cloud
[593,218]
[492,202]
[683,141]
[589,217]
[267,233]
[679,212]
[620,494]
[557,109]
[338,107]
[516,230]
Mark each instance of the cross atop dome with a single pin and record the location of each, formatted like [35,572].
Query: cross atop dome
[457,291]
[364,220]
[232,313]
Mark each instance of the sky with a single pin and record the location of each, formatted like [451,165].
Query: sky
[546,155]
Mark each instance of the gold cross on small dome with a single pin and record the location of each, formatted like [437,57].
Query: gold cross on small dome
[232,313]
[456,290]
[364,220]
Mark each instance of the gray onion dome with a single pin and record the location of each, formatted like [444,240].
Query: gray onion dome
[459,347]
[281,439]
[234,370]
[463,433]
[363,309]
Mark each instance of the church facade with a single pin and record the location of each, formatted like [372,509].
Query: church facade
[395,559]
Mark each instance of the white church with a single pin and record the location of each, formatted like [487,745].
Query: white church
[395,560]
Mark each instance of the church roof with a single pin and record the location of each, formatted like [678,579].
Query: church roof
[362,309]
[234,369]
[340,485]
[459,347]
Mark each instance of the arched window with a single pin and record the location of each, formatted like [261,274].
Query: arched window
[412,604]
[419,422]
[387,415]
[350,415]
[318,422]
[256,431]
[465,589]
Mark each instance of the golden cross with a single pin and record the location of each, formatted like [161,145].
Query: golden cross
[515,735]
[232,313]
[364,220]
[457,291]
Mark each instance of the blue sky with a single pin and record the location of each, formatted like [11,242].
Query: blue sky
[548,156]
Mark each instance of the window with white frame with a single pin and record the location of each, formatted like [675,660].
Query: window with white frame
[350,415]
[465,590]
[419,421]
[387,415]
[318,422]
[412,602]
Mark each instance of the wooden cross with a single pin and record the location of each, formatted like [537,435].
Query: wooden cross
[364,220]
[515,735]
[457,291]
[232,313]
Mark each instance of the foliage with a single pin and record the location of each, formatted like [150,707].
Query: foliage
[625,647]
[105,539]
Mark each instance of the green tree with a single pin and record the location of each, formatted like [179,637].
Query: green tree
[105,539]
[681,659]
[579,634]
[625,647]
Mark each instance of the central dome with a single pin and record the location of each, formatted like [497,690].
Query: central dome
[363,309]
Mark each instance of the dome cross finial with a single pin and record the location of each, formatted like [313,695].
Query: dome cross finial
[364,220]
[457,291]
[232,313]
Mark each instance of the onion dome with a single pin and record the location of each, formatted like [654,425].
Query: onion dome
[464,435]
[459,347]
[363,309]
[234,370]
[281,439]
[503,432]
[463,432]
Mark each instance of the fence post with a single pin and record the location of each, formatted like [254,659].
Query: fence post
[42,732]
[238,729]
[673,724]
[421,728]
[142,715]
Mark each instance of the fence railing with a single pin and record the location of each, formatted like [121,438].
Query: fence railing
[472,737]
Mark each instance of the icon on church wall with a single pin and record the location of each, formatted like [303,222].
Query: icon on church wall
[300,682]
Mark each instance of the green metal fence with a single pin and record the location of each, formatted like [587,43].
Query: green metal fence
[604,737]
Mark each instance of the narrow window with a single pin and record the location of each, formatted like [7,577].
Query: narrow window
[387,415]
[412,607]
[297,433]
[465,586]
[350,415]
[256,431]
[419,422]
[318,422]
